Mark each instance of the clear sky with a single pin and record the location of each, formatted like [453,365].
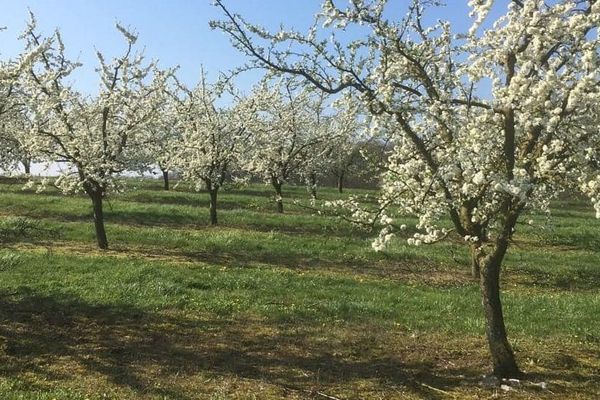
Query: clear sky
[174,31]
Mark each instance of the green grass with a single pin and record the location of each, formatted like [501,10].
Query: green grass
[277,306]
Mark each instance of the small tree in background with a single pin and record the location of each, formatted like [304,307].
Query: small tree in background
[213,136]
[15,138]
[343,133]
[160,146]
[14,117]
[346,147]
[287,133]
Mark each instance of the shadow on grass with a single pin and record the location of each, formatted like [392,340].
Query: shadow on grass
[185,190]
[200,200]
[576,279]
[408,268]
[264,223]
[580,240]
[62,339]
[260,220]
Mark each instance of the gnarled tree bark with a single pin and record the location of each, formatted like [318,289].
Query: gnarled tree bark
[165,174]
[213,205]
[278,193]
[97,202]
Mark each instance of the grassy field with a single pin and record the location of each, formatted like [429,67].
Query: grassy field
[269,306]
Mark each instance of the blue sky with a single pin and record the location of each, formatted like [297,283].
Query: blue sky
[174,31]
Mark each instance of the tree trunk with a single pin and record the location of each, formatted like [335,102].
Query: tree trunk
[213,205]
[27,166]
[340,182]
[313,185]
[278,194]
[475,268]
[165,173]
[503,358]
[99,220]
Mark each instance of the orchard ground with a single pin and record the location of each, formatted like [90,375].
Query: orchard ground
[278,306]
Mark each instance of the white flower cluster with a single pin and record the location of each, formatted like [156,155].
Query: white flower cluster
[385,236]
[592,189]
[479,9]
